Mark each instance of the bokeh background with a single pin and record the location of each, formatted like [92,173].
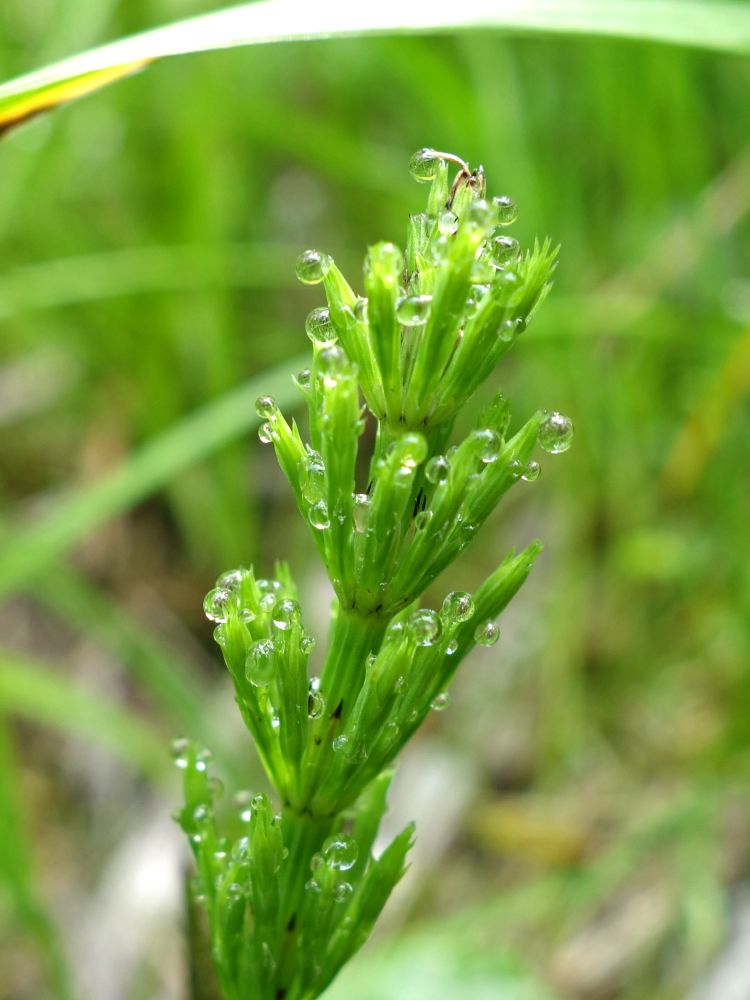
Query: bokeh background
[583,806]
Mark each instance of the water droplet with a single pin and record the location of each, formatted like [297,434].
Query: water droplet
[361,511]
[457,607]
[275,723]
[215,788]
[424,165]
[447,223]
[340,852]
[266,433]
[286,614]
[532,472]
[312,266]
[266,408]
[510,328]
[502,250]
[440,702]
[437,469]
[370,660]
[555,433]
[452,646]
[515,469]
[240,849]
[232,579]
[220,636]
[385,257]
[303,379]
[507,210]
[234,891]
[425,626]
[487,633]
[313,475]
[488,444]
[316,703]
[330,362]
[313,886]
[179,750]
[413,310]
[318,326]
[422,520]
[340,744]
[342,891]
[318,516]
[411,449]
[307,644]
[260,663]
[391,731]
[217,604]
[360,309]
[478,293]
[201,814]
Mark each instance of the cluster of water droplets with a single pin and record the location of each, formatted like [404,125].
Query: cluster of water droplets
[338,855]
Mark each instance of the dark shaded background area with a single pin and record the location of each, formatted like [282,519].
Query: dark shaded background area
[582,806]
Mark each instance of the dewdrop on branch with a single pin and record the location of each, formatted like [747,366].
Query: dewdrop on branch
[290,882]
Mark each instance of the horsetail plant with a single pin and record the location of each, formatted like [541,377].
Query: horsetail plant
[290,896]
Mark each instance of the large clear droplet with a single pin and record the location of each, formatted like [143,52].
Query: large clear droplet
[555,433]
[318,516]
[424,165]
[502,250]
[422,519]
[437,469]
[532,472]
[487,633]
[312,266]
[440,702]
[316,703]
[259,663]
[447,223]
[425,626]
[232,579]
[507,210]
[340,852]
[266,408]
[319,327]
[286,614]
[457,607]
[313,478]
[413,310]
[488,444]
[217,604]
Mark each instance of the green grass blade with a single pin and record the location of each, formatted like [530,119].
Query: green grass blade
[31,550]
[41,693]
[723,26]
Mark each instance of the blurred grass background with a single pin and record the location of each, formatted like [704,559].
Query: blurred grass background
[583,806]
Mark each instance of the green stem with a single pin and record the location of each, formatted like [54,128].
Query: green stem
[353,638]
